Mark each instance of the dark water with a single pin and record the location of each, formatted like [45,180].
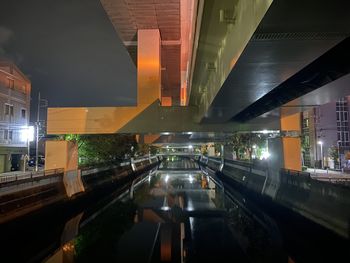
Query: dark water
[177,213]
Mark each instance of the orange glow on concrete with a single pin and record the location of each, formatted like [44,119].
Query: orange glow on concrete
[148,66]
[186,17]
[166,101]
[111,119]
[291,122]
[61,154]
[291,146]
[292,153]
[150,138]
[183,95]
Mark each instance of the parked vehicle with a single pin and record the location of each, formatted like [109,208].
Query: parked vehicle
[41,161]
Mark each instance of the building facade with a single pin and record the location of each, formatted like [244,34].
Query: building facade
[325,134]
[15,91]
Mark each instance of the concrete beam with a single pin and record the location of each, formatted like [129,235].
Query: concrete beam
[226,28]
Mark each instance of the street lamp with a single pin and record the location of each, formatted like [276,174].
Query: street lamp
[27,135]
[321,144]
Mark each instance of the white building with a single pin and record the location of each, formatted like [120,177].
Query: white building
[14,116]
[327,127]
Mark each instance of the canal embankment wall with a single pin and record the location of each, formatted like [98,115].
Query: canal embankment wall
[322,202]
[25,193]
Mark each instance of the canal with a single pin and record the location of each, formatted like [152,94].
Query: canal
[178,212]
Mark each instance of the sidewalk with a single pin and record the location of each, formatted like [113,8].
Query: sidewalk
[27,172]
[322,174]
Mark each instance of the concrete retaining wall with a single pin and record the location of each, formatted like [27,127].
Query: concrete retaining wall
[21,197]
[324,203]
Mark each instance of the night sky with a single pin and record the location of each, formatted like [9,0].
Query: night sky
[69,50]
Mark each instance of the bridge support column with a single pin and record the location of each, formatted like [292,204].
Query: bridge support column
[64,154]
[61,154]
[285,153]
[291,144]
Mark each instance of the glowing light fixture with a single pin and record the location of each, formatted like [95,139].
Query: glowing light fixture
[27,134]
[265,155]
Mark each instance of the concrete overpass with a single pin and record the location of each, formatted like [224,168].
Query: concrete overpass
[222,66]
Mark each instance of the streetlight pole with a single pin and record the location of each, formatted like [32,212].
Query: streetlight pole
[25,158]
[321,144]
[37,135]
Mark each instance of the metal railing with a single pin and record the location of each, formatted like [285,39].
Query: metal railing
[20,176]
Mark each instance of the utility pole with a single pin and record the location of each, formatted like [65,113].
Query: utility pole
[37,135]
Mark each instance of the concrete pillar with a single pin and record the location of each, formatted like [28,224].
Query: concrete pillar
[98,120]
[291,144]
[148,66]
[61,154]
[8,163]
[285,153]
[64,154]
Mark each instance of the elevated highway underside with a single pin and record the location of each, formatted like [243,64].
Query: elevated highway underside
[245,70]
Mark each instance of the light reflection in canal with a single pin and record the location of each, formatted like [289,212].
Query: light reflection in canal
[173,216]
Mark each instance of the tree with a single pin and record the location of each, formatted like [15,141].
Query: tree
[236,144]
[333,154]
[243,143]
[102,148]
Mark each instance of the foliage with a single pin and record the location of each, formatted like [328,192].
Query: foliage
[305,143]
[333,153]
[242,144]
[102,148]
[144,149]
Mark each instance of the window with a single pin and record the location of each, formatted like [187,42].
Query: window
[346,136]
[337,116]
[8,109]
[345,116]
[8,135]
[23,113]
[11,83]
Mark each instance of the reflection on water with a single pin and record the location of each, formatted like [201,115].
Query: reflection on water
[173,216]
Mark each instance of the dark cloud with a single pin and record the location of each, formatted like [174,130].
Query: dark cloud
[5,36]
